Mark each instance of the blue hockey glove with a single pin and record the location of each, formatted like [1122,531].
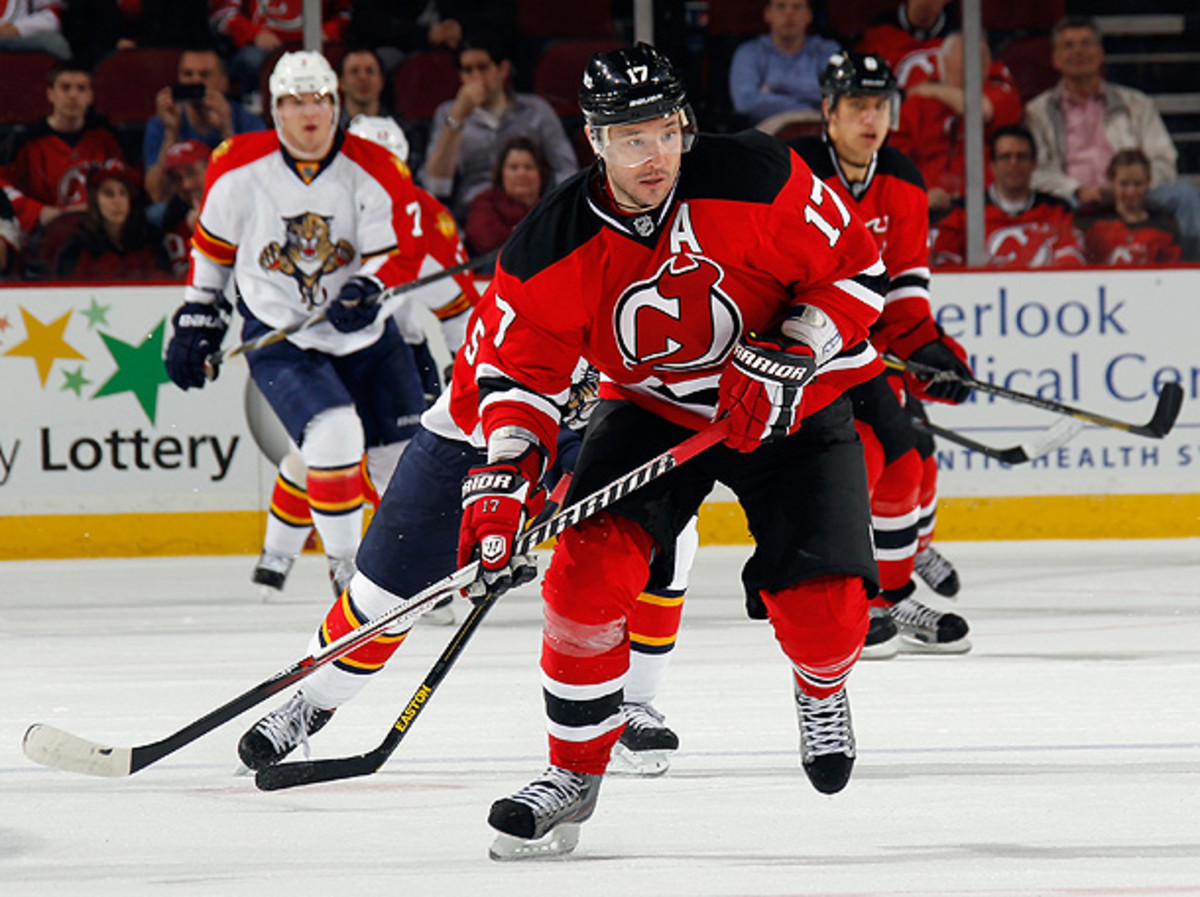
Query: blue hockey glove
[199,328]
[355,306]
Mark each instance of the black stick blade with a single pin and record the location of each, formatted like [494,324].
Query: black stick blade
[1166,412]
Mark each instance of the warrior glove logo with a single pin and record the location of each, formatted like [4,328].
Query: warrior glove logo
[493,549]
[678,320]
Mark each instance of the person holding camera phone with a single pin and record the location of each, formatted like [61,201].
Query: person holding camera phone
[193,108]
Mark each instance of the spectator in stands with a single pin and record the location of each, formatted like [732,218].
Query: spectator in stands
[914,25]
[398,28]
[1083,120]
[186,162]
[360,77]
[777,71]
[257,28]
[931,128]
[53,155]
[114,243]
[167,23]
[469,130]
[1024,228]
[33,26]
[519,180]
[1131,234]
[210,118]
[20,216]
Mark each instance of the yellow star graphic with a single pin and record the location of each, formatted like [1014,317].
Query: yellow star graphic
[44,343]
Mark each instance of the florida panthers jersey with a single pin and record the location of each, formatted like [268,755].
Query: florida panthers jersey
[291,232]
[1041,234]
[658,301]
[1110,241]
[892,202]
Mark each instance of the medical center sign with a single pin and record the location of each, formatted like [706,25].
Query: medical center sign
[1099,340]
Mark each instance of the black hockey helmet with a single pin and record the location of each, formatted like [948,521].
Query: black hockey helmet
[629,85]
[857,74]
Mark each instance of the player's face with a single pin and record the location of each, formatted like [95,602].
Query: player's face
[306,123]
[1012,166]
[1130,185]
[643,160]
[71,94]
[858,126]
[112,199]
[520,177]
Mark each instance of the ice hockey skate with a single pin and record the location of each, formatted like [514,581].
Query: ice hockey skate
[826,740]
[883,638]
[924,630]
[279,732]
[271,571]
[937,572]
[646,745]
[543,818]
[341,571]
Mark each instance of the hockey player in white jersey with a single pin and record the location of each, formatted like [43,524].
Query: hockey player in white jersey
[448,300]
[303,219]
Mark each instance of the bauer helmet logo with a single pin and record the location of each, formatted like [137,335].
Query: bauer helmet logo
[678,320]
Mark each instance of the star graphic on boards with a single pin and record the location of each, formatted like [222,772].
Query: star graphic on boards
[75,381]
[44,343]
[96,314]
[140,369]
[4,323]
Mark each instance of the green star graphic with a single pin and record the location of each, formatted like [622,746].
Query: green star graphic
[140,369]
[75,382]
[96,314]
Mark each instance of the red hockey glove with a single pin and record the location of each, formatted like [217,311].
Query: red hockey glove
[945,354]
[497,499]
[762,388]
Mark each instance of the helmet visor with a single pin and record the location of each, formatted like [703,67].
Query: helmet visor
[633,145]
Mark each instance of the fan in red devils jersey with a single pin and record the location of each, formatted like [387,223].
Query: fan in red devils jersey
[887,191]
[1131,235]
[701,276]
[1025,228]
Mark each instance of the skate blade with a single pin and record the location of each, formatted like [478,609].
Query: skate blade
[647,764]
[882,650]
[559,841]
[911,645]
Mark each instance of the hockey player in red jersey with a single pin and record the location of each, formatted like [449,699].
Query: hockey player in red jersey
[302,219]
[887,191]
[703,277]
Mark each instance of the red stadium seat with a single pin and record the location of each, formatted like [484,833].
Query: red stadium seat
[1022,15]
[1028,58]
[850,19]
[560,68]
[127,81]
[736,17]
[553,18]
[24,78]
[423,81]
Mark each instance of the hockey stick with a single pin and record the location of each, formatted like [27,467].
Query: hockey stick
[1170,400]
[276,336]
[51,746]
[308,772]
[1048,440]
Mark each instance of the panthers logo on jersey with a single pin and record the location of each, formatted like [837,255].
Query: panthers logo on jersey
[307,254]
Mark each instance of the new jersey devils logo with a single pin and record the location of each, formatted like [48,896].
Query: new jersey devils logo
[678,320]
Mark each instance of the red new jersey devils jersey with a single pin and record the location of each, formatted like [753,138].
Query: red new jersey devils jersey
[892,202]
[1040,235]
[658,301]
[1110,241]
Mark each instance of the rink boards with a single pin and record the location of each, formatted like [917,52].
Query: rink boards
[101,455]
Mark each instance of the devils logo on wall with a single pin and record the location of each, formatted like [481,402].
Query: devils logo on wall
[678,320]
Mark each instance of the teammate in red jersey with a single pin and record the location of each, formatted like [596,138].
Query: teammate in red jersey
[702,277]
[1131,235]
[1025,228]
[887,191]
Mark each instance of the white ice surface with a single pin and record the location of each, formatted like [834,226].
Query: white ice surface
[1060,757]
